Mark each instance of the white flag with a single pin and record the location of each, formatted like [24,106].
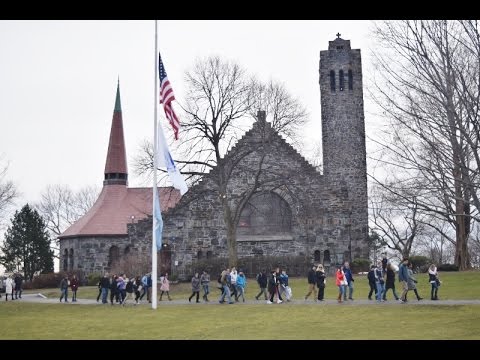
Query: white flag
[157,219]
[164,159]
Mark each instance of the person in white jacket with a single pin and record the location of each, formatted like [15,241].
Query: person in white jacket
[8,287]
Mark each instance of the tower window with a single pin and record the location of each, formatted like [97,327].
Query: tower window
[70,263]
[350,80]
[332,80]
[65,260]
[342,80]
[326,258]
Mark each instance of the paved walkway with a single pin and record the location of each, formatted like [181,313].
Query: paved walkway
[38,298]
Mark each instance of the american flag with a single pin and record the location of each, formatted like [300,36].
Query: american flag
[166,98]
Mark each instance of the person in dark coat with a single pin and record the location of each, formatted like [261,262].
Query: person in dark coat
[64,288]
[390,282]
[262,283]
[273,283]
[312,282]
[18,286]
[114,292]
[320,278]
[74,285]
[371,282]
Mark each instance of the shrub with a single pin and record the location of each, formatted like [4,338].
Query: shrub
[360,265]
[94,278]
[43,281]
[447,267]
[419,261]
[52,280]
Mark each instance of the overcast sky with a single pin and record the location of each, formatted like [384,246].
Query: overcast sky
[58,81]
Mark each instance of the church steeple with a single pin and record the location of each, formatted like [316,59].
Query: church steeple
[116,164]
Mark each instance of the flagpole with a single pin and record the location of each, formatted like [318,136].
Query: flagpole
[154,193]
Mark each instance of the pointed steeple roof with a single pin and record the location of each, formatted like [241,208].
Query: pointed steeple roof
[116,165]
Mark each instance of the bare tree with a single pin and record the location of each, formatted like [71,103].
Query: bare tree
[428,88]
[221,104]
[8,192]
[397,223]
[60,207]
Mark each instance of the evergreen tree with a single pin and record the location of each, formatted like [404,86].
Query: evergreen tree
[27,244]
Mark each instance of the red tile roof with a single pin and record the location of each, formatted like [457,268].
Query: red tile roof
[114,208]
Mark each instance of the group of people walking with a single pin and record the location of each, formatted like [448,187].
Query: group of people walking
[381,278]
[273,287]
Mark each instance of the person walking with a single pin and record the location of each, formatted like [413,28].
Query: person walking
[340,282]
[380,281]
[312,282]
[205,282]
[74,286]
[165,286]
[390,282]
[64,288]
[403,278]
[434,281]
[412,281]
[349,278]
[8,287]
[320,278]
[273,283]
[241,285]
[371,282]
[195,288]
[18,286]
[262,283]
[104,287]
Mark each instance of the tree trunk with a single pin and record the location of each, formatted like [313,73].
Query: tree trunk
[231,233]
[461,257]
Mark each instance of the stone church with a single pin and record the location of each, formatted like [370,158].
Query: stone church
[323,217]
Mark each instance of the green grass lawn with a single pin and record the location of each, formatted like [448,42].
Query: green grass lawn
[253,321]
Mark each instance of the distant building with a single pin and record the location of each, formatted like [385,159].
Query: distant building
[320,216]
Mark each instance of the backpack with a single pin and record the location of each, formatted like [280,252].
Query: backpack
[129,287]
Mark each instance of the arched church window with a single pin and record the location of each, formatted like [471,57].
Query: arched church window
[199,254]
[332,80]
[350,80]
[342,80]
[316,256]
[265,214]
[65,260]
[326,258]
[71,259]
[209,254]
[127,250]
[113,255]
